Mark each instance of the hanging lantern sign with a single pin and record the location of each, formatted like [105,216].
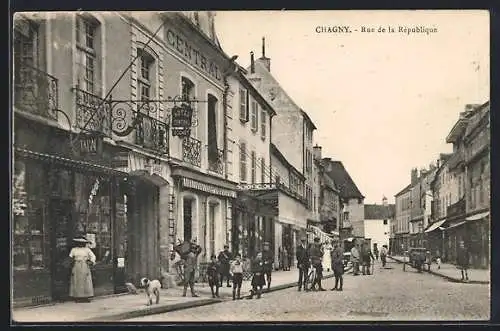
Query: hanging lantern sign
[182,120]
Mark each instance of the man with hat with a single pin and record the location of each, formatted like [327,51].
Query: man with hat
[302,263]
[268,261]
[225,258]
[316,253]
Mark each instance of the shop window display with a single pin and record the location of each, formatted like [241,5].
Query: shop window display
[94,216]
[28,217]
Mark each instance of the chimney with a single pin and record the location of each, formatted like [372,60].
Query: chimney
[263,59]
[252,63]
[384,201]
[414,176]
[317,152]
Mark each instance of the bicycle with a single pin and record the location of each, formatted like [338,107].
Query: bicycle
[310,278]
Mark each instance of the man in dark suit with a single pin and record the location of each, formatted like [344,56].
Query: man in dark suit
[302,263]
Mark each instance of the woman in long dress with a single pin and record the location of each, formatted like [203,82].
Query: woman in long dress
[327,257]
[81,288]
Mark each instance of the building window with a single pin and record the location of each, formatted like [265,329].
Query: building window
[87,53]
[243,162]
[263,170]
[254,116]
[213,151]
[243,94]
[253,167]
[25,45]
[385,222]
[144,79]
[188,92]
[263,124]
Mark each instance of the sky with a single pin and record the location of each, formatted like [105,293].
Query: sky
[383,103]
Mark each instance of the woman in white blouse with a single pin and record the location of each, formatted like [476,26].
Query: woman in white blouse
[327,257]
[81,288]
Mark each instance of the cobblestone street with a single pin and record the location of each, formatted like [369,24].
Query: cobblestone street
[389,294]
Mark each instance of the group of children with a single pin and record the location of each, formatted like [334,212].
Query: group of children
[236,272]
[214,275]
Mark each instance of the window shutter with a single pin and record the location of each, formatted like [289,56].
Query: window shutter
[247,114]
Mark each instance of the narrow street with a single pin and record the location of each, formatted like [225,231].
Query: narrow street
[389,294]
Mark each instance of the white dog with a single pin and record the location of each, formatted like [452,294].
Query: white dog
[152,288]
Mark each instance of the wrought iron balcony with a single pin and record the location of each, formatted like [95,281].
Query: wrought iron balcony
[151,133]
[217,163]
[92,114]
[191,151]
[36,92]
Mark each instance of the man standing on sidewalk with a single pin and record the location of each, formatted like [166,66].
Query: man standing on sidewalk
[316,253]
[463,258]
[302,263]
[225,258]
[190,266]
[268,260]
[355,259]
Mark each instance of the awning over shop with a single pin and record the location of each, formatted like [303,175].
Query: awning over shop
[434,226]
[77,164]
[456,225]
[477,216]
[152,178]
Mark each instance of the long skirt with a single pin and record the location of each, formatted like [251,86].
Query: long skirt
[258,280]
[81,281]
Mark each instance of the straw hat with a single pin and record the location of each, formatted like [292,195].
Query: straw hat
[80,239]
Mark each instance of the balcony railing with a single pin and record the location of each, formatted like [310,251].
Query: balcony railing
[36,92]
[217,164]
[191,151]
[92,114]
[151,133]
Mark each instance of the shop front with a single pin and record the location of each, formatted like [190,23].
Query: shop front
[150,213]
[203,209]
[57,196]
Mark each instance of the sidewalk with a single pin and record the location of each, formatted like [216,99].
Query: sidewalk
[452,273]
[126,306]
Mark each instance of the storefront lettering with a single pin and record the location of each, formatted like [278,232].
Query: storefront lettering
[193,55]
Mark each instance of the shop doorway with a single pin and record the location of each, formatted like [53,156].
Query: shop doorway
[188,219]
[60,210]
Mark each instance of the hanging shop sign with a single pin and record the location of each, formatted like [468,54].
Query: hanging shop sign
[90,144]
[182,117]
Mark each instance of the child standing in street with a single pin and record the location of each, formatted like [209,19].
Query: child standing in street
[213,274]
[236,270]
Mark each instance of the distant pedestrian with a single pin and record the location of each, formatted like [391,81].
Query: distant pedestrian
[438,262]
[338,266]
[463,258]
[81,288]
[225,258]
[355,257]
[213,274]
[367,257]
[236,270]
[375,251]
[383,255]
[285,260]
[302,263]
